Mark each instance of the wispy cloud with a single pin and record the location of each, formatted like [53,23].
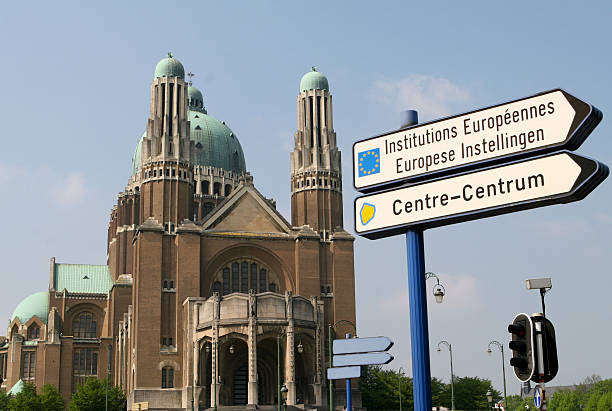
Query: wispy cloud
[71,189]
[431,96]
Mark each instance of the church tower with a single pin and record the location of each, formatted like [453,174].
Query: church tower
[316,175]
[166,186]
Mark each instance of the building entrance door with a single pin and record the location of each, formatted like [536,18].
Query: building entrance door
[240,386]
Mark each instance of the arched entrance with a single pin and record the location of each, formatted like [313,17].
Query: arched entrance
[241,379]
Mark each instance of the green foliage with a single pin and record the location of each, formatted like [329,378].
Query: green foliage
[380,390]
[51,399]
[27,400]
[4,399]
[92,397]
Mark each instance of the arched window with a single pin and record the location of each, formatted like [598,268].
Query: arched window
[235,283]
[226,281]
[217,189]
[167,377]
[33,332]
[84,326]
[228,189]
[243,275]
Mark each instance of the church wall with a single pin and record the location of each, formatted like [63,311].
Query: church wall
[146,302]
[51,364]
[121,298]
[65,371]
[307,256]
[343,283]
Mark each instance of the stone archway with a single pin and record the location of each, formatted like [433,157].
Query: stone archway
[267,370]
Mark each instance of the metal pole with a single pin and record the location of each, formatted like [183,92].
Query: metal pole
[193,371]
[278,371]
[349,405]
[450,349]
[214,364]
[331,364]
[108,370]
[399,384]
[504,373]
[419,332]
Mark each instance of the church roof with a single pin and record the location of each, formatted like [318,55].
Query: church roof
[215,143]
[169,67]
[313,80]
[82,278]
[17,388]
[36,304]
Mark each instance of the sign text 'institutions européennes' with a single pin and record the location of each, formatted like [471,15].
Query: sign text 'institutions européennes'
[542,123]
[549,179]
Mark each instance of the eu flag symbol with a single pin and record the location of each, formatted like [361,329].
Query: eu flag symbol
[369,162]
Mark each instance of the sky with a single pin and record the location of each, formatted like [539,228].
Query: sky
[74,102]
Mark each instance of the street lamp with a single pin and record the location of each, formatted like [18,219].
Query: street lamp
[300,349]
[438,290]
[331,363]
[501,349]
[213,365]
[283,391]
[450,349]
[399,385]
[489,397]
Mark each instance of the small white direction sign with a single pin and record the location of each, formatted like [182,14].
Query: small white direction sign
[542,123]
[361,345]
[342,373]
[551,179]
[370,358]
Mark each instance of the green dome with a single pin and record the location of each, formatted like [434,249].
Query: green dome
[137,158]
[36,304]
[313,80]
[196,100]
[169,67]
[215,144]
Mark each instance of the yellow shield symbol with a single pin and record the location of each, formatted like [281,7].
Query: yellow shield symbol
[367,213]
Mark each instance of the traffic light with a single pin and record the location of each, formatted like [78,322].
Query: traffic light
[549,349]
[523,350]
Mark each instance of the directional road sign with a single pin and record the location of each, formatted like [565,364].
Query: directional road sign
[542,123]
[342,373]
[361,345]
[549,179]
[537,397]
[370,358]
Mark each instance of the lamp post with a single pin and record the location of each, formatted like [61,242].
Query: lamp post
[399,386]
[300,349]
[331,334]
[283,391]
[489,398]
[501,349]
[438,290]
[108,370]
[213,365]
[450,350]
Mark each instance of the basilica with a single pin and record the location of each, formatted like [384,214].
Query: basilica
[210,297]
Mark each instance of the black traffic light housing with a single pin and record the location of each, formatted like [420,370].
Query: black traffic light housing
[549,349]
[522,346]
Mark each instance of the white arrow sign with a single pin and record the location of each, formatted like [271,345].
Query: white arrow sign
[540,123]
[342,373]
[556,178]
[370,358]
[361,345]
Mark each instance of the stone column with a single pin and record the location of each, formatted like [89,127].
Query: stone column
[252,347]
[214,384]
[319,379]
[196,356]
[290,351]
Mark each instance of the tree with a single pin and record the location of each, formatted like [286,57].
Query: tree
[51,399]
[4,399]
[26,400]
[470,393]
[92,397]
